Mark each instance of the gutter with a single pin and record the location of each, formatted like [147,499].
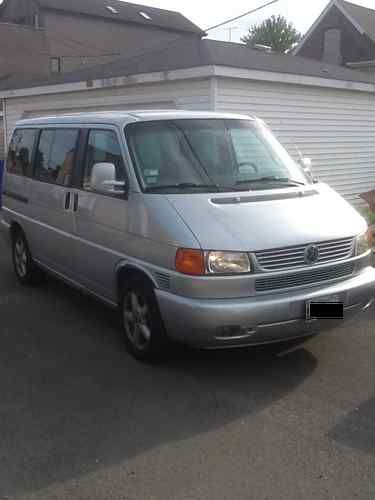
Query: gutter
[361,64]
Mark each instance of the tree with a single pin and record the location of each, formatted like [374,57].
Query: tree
[276,32]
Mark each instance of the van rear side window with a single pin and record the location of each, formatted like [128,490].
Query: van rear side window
[20,152]
[55,156]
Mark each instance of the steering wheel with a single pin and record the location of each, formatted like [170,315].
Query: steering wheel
[250,164]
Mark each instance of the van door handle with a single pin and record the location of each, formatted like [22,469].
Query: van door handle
[75,202]
[67,200]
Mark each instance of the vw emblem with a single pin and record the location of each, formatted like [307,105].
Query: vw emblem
[311,254]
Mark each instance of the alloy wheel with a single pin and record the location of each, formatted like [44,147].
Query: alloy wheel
[20,257]
[136,320]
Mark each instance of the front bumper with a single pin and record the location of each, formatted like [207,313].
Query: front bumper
[261,319]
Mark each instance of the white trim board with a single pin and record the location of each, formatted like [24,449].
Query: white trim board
[120,81]
[341,8]
[311,81]
[194,73]
[213,93]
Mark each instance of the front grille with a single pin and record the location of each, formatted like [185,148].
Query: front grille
[291,257]
[311,277]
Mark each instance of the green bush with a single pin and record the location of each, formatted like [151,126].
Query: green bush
[369,216]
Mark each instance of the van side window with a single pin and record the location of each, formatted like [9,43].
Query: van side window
[55,156]
[21,151]
[103,147]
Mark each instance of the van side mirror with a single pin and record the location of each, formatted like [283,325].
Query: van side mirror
[103,180]
[306,164]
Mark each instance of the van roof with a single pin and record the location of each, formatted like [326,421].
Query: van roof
[123,117]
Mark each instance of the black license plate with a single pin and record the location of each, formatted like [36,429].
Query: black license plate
[325,310]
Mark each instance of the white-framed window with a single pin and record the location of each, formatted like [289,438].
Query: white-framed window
[56,65]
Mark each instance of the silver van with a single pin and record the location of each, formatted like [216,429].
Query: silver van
[197,227]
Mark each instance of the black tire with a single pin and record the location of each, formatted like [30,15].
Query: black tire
[145,336]
[27,272]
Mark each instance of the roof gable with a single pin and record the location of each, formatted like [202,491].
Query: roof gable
[362,18]
[124,12]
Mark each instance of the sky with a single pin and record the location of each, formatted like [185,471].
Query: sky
[207,13]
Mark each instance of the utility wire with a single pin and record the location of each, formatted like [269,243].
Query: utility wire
[119,54]
[242,15]
[102,53]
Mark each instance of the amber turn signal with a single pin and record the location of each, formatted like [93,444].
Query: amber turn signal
[190,262]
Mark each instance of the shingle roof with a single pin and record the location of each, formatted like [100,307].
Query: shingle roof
[364,16]
[125,11]
[193,53]
[23,54]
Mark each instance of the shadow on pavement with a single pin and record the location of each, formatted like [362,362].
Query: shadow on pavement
[357,430]
[72,400]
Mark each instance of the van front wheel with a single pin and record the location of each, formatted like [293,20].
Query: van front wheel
[27,272]
[145,335]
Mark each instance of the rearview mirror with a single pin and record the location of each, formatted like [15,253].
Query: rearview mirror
[103,179]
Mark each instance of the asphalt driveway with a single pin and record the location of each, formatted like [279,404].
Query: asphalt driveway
[80,419]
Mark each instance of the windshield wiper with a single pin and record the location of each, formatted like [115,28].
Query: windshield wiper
[272,178]
[182,186]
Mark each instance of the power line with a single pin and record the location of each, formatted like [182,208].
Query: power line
[242,15]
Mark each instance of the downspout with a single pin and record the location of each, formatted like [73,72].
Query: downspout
[5,127]
[3,115]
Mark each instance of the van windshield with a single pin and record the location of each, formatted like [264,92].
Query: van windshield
[198,155]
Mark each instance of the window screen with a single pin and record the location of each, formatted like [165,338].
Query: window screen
[21,151]
[56,65]
[55,156]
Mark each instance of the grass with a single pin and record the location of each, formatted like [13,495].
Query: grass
[369,216]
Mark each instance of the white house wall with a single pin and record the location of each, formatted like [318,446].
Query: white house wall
[336,128]
[191,94]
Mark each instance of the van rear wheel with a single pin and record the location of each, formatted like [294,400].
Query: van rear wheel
[145,335]
[27,272]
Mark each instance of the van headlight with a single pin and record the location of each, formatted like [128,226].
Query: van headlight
[228,263]
[362,243]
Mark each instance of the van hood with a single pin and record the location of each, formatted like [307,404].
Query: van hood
[264,220]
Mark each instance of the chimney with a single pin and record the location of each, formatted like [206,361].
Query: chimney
[332,46]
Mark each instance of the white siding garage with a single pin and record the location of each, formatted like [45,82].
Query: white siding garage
[194,95]
[330,120]
[336,128]
[2,142]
